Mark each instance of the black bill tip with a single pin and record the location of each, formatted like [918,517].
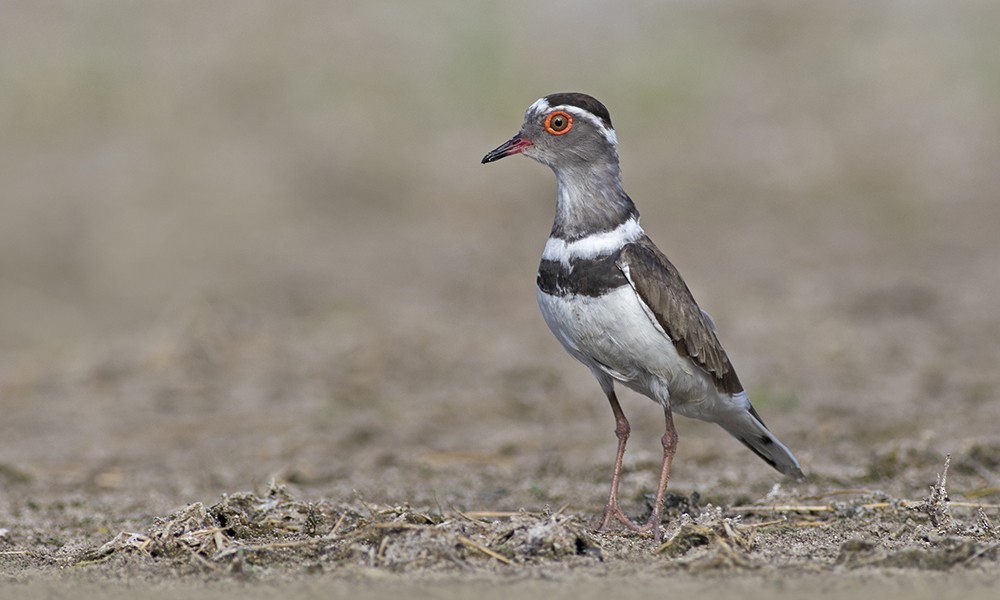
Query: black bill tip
[514,145]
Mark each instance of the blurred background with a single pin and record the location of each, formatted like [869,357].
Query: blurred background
[251,239]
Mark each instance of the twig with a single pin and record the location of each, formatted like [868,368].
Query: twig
[847,492]
[437,503]
[337,525]
[368,507]
[764,524]
[783,508]
[982,551]
[264,547]
[380,555]
[400,526]
[827,508]
[468,516]
[983,492]
[489,514]
[196,556]
[475,546]
[973,505]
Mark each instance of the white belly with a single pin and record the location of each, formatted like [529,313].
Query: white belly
[614,334]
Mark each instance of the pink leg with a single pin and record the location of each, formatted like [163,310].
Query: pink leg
[611,510]
[669,447]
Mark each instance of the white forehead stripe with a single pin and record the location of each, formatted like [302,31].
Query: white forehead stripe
[594,245]
[542,105]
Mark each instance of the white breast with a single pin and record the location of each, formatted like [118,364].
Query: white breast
[614,333]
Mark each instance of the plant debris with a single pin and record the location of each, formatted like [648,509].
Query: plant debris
[249,531]
[247,527]
[724,542]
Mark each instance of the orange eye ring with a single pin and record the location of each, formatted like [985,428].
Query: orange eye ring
[558,122]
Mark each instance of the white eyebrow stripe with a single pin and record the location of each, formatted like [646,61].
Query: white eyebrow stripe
[542,106]
[609,134]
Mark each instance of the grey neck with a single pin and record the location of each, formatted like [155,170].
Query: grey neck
[590,199]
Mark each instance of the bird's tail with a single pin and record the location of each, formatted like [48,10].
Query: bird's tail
[747,427]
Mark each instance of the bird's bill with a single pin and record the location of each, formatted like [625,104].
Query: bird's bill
[514,145]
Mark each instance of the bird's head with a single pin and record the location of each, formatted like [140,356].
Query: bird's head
[563,130]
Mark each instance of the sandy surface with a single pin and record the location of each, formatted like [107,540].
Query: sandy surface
[266,323]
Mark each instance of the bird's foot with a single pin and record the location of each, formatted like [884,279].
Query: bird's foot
[654,527]
[612,512]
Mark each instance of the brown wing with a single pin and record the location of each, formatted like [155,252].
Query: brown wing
[660,287]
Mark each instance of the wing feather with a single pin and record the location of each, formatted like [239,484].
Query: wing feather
[659,285]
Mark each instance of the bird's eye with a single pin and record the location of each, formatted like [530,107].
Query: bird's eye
[558,123]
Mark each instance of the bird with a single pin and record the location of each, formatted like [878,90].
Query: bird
[618,305]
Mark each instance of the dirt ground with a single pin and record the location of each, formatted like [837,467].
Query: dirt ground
[267,325]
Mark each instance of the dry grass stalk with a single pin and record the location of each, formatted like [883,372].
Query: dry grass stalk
[476,546]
